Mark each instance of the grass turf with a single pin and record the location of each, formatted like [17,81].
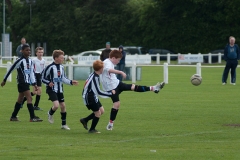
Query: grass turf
[181,122]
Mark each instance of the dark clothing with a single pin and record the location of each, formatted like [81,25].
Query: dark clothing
[53,96]
[38,77]
[231,52]
[121,87]
[105,54]
[18,51]
[231,56]
[93,105]
[122,61]
[22,87]
[120,67]
[231,64]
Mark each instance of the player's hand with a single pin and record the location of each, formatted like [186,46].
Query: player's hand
[36,87]
[74,82]
[51,84]
[113,91]
[124,75]
[3,83]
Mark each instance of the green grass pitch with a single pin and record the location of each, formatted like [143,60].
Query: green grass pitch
[181,122]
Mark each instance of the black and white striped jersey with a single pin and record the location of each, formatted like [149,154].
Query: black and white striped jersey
[25,72]
[55,73]
[91,89]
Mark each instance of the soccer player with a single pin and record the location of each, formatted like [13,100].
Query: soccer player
[39,65]
[54,77]
[90,94]
[25,75]
[110,82]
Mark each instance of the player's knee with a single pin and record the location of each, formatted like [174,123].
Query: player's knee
[133,87]
[116,105]
[101,112]
[97,113]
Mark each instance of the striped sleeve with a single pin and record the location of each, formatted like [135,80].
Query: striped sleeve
[96,88]
[45,74]
[15,65]
[32,75]
[64,78]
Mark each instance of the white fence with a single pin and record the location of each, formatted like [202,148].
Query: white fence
[70,65]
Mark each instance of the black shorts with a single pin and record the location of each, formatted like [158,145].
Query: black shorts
[93,105]
[53,96]
[38,79]
[22,87]
[121,87]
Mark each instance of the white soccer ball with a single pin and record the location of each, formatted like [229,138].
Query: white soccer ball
[196,79]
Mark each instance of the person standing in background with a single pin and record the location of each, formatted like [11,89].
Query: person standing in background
[121,65]
[19,48]
[105,53]
[231,56]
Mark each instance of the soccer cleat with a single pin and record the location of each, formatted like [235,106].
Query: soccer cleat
[84,123]
[15,119]
[65,127]
[158,87]
[93,131]
[50,118]
[37,108]
[36,119]
[109,126]
[234,84]
[223,83]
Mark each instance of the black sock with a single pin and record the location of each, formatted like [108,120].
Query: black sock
[141,88]
[16,109]
[113,114]
[32,94]
[31,110]
[63,117]
[24,99]
[94,123]
[91,116]
[37,100]
[51,111]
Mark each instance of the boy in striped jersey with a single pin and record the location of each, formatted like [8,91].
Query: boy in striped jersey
[54,77]
[39,65]
[25,75]
[110,82]
[90,94]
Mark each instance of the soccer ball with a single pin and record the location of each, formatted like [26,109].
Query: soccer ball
[196,79]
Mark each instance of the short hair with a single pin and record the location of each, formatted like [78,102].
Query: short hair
[57,53]
[38,48]
[97,65]
[232,37]
[115,53]
[25,46]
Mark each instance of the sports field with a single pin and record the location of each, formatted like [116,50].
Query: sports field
[182,122]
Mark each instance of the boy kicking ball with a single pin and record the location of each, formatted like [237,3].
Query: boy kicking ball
[110,82]
[90,94]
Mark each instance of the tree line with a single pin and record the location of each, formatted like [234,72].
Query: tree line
[185,26]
